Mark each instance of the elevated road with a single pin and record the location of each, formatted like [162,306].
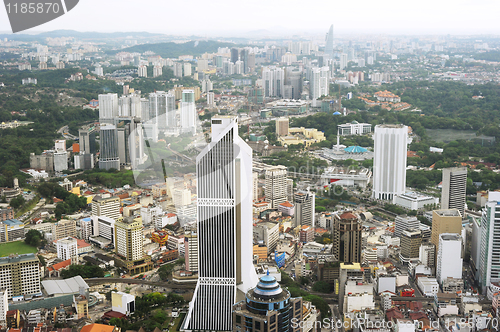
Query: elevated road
[99,281]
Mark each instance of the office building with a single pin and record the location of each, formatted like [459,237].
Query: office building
[63,228]
[282,125]
[191,250]
[427,254]
[11,230]
[211,100]
[67,248]
[489,253]
[389,162]
[84,161]
[268,233]
[305,208]
[346,240]
[224,223]
[294,83]
[20,275]
[273,81]
[454,189]
[60,161]
[129,245]
[189,116]
[449,257]
[108,107]
[162,110]
[109,157]
[411,239]
[329,43]
[106,206]
[343,61]
[275,189]
[319,83]
[103,230]
[268,308]
[87,140]
[404,222]
[445,221]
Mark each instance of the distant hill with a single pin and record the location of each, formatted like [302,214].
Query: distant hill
[77,34]
[173,50]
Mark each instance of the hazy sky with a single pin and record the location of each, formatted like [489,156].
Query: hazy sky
[235,17]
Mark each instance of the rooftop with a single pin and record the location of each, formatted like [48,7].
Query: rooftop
[18,258]
[70,285]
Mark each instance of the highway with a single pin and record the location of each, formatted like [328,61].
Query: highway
[98,281]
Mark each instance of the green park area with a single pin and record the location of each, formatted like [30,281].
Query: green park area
[17,247]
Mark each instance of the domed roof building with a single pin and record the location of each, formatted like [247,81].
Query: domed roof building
[268,308]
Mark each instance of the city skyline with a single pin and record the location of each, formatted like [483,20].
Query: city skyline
[465,17]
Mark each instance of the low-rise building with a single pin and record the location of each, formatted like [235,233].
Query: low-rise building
[428,286]
[413,200]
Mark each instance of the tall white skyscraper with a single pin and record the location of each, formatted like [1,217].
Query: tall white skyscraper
[273,81]
[454,189]
[108,107]
[449,257]
[489,249]
[329,43]
[343,61]
[109,157]
[319,84]
[389,162]
[162,110]
[226,272]
[188,112]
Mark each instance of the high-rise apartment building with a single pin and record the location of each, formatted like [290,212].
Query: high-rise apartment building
[109,157]
[449,257]
[188,112]
[162,110]
[187,69]
[63,228]
[305,208]
[4,304]
[489,248]
[20,275]
[142,71]
[445,221]
[282,125]
[275,190]
[404,222]
[107,207]
[319,83]
[157,70]
[224,187]
[454,189]
[273,81]
[343,61]
[389,162]
[108,107]
[346,240]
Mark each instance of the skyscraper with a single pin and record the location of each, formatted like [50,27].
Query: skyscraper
[489,252]
[389,162]
[162,109]
[454,188]
[273,81]
[329,43]
[445,221]
[224,187]
[347,238]
[234,55]
[304,208]
[129,245]
[319,84]
[108,157]
[449,258]
[276,190]
[188,112]
[108,107]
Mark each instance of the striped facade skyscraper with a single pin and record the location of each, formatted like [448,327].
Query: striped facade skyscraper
[226,272]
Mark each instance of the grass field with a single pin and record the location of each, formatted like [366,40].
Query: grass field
[18,247]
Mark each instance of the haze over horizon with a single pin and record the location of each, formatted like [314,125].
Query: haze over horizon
[223,18]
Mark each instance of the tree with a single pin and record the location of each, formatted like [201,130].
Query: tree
[33,238]
[42,260]
[321,287]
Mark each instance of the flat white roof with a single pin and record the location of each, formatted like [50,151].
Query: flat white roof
[66,286]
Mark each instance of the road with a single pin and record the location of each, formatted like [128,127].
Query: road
[170,285]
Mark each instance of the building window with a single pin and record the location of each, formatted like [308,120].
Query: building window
[238,319]
[257,325]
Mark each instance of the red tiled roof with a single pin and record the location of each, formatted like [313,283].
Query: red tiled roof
[347,215]
[286,204]
[61,265]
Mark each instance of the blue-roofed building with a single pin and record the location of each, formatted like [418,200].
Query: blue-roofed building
[11,230]
[355,149]
[268,307]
